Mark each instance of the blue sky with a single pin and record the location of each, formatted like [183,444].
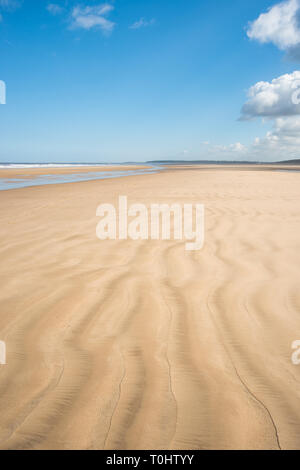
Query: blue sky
[136,80]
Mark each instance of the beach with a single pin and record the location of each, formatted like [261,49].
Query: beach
[29,171]
[140,344]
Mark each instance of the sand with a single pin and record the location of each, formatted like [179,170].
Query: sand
[30,172]
[141,344]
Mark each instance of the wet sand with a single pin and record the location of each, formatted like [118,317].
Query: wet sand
[70,170]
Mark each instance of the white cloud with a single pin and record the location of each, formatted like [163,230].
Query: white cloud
[230,150]
[278,100]
[92,17]
[281,143]
[274,99]
[142,23]
[237,147]
[286,131]
[54,9]
[280,25]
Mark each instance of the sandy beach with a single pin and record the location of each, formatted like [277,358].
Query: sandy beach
[141,344]
[31,172]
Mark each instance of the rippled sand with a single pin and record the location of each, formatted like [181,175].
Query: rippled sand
[142,345]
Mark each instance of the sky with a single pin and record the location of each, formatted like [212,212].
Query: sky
[139,80]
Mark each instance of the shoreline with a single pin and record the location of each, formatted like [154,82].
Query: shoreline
[39,177]
[69,177]
[31,172]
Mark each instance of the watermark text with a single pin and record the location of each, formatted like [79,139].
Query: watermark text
[137,222]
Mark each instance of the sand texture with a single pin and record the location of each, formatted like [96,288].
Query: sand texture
[141,344]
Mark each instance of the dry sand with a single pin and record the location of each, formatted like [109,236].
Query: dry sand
[142,345]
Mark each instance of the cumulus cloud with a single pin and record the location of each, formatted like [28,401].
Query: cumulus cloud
[285,131]
[142,23]
[280,97]
[278,101]
[90,17]
[281,143]
[54,9]
[280,25]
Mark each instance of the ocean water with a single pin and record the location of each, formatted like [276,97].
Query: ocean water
[40,180]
